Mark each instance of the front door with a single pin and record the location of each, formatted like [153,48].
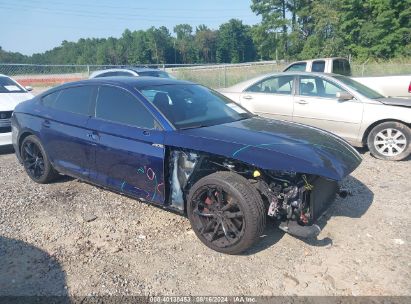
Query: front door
[316,104]
[129,145]
[271,97]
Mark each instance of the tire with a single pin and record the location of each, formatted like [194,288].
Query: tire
[390,141]
[226,212]
[36,162]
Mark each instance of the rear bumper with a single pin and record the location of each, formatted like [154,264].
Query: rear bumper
[5,139]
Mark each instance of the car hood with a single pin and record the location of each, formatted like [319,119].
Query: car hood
[8,101]
[273,145]
[402,102]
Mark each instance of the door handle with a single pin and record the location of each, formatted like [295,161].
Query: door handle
[93,136]
[46,123]
[146,133]
[248,97]
[302,101]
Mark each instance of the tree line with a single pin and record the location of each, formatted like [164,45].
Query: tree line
[289,29]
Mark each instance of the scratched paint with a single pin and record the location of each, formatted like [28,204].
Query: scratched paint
[289,144]
[152,176]
[125,187]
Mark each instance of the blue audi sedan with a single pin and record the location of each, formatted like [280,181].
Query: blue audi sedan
[186,148]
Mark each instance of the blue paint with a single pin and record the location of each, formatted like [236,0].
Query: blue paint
[131,158]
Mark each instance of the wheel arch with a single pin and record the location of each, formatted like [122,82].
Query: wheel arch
[376,123]
[204,164]
[22,136]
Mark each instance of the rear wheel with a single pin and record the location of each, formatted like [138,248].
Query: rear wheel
[390,141]
[36,162]
[226,212]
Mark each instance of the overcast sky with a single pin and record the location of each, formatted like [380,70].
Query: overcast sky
[32,26]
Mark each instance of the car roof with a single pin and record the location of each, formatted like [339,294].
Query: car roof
[244,84]
[124,81]
[127,69]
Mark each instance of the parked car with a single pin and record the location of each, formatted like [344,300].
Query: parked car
[11,94]
[131,71]
[334,103]
[394,86]
[187,149]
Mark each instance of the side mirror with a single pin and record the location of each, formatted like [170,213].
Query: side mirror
[28,88]
[342,96]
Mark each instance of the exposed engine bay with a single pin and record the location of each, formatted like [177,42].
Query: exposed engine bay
[296,200]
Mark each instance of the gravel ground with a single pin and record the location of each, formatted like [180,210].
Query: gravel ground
[73,238]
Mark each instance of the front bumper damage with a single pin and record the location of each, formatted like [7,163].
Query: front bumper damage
[322,196]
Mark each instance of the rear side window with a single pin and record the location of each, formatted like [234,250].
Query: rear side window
[342,67]
[50,99]
[275,85]
[75,100]
[120,106]
[318,66]
[297,67]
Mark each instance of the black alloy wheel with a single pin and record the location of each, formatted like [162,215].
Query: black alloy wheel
[218,216]
[35,161]
[226,212]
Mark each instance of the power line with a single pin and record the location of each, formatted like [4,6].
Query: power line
[137,8]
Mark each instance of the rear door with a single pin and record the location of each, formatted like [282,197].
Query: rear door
[63,129]
[271,97]
[316,105]
[129,145]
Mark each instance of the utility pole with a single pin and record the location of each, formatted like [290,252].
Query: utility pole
[175,52]
[276,47]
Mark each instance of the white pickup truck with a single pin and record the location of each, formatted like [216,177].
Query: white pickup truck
[390,86]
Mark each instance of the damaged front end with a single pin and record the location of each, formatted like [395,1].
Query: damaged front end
[295,200]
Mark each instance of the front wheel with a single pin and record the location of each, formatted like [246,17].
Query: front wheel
[390,141]
[226,212]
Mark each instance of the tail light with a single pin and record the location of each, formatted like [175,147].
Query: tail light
[409,88]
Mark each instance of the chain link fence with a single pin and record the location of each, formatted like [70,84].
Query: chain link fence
[41,77]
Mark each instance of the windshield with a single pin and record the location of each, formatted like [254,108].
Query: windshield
[160,74]
[7,85]
[360,88]
[191,106]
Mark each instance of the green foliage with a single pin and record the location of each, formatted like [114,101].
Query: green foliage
[289,29]
[234,43]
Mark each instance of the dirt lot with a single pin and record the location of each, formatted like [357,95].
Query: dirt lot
[73,238]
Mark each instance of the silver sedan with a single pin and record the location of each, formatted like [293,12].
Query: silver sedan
[334,103]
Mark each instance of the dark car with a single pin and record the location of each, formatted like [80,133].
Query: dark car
[130,71]
[187,148]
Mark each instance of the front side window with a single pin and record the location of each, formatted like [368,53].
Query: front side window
[275,85]
[300,67]
[190,106]
[119,106]
[7,85]
[319,87]
[75,100]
